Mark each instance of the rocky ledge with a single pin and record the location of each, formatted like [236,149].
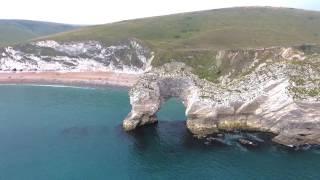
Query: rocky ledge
[278,94]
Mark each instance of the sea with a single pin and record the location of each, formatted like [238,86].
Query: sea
[72,133]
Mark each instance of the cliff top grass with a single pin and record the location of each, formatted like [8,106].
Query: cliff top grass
[195,37]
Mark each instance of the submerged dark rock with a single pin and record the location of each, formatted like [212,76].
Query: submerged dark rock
[247,143]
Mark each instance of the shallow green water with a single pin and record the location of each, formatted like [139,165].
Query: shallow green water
[70,133]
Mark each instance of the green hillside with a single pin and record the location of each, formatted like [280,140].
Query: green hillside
[214,29]
[16,31]
[194,37]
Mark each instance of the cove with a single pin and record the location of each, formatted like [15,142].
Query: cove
[73,133]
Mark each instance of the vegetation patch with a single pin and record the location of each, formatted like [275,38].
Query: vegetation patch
[302,91]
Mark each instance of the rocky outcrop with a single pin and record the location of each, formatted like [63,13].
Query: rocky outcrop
[128,56]
[278,94]
[271,89]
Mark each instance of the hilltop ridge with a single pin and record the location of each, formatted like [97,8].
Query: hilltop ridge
[14,31]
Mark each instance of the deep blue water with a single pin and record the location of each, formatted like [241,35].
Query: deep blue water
[49,133]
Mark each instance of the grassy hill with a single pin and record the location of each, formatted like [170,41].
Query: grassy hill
[194,37]
[213,29]
[16,31]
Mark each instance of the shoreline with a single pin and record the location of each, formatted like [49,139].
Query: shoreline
[80,79]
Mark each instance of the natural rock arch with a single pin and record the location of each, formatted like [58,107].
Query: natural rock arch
[152,95]
[175,80]
[249,104]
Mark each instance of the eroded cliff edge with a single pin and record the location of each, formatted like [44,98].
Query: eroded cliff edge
[277,92]
[128,56]
[75,63]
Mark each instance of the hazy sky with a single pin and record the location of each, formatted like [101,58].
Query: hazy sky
[104,11]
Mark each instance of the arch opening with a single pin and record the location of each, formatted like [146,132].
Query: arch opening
[172,109]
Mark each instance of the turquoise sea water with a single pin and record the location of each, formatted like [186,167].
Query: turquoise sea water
[49,133]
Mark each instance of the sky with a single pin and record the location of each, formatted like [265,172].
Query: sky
[105,11]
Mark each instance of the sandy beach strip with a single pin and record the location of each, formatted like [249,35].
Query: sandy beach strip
[70,78]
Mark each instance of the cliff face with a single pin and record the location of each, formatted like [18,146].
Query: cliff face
[278,92]
[128,56]
[271,90]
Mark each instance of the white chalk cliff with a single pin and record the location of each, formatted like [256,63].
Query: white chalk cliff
[273,89]
[278,92]
[128,56]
